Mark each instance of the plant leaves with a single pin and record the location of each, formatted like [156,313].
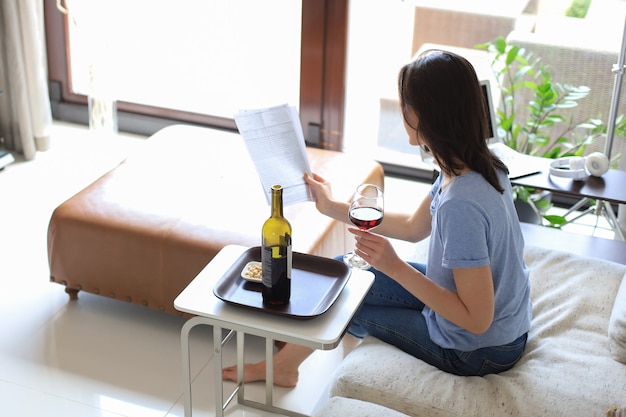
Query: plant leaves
[555,220]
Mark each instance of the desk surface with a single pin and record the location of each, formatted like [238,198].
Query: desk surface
[610,187]
[322,332]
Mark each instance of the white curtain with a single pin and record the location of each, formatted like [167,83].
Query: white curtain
[25,115]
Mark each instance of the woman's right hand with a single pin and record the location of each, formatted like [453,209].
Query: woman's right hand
[321,191]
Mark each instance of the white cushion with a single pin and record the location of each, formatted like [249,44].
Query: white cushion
[617,325]
[338,407]
[566,370]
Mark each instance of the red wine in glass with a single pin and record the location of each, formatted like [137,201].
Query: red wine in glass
[366,218]
[365,212]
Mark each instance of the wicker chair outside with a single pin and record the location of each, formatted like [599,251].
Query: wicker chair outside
[577,65]
[464,23]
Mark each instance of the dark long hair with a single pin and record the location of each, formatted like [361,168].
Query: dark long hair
[444,92]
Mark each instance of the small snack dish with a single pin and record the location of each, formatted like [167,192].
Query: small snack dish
[252,272]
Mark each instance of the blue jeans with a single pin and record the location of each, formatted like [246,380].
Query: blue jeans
[392,314]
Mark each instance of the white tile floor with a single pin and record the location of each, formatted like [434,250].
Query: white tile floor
[98,356]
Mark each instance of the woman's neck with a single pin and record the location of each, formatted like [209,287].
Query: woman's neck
[449,177]
[464,169]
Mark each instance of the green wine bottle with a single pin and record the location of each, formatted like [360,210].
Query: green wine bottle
[276,253]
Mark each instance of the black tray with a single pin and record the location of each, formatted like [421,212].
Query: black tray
[316,283]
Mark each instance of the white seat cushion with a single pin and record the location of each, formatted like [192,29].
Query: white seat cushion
[617,326]
[339,407]
[566,370]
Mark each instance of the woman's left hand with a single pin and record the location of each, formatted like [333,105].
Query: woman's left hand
[376,250]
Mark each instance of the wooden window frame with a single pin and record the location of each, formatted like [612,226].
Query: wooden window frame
[322,79]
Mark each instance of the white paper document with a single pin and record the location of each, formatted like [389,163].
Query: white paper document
[275,142]
[519,164]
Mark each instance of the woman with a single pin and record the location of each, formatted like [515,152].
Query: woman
[468,311]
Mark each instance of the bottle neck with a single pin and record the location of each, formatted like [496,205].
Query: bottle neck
[277,201]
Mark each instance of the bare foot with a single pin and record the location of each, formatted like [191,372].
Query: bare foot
[253,372]
[286,363]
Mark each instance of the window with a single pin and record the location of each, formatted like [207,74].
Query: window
[191,55]
[199,61]
[385,34]
[373,125]
[336,60]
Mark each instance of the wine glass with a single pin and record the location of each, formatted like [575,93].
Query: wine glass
[365,212]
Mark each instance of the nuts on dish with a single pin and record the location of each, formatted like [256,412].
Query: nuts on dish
[253,271]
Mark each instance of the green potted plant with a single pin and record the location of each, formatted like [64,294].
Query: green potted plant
[547,130]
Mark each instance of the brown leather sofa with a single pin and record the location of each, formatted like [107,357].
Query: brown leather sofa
[144,230]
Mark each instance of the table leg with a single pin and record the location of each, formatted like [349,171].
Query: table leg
[219,364]
[269,383]
[612,219]
[240,366]
[184,337]
[186,366]
[218,344]
[219,384]
[269,371]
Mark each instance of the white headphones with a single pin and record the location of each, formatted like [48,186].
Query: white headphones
[579,168]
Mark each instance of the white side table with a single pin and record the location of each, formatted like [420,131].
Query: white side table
[322,332]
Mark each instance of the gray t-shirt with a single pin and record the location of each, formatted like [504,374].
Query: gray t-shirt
[474,225]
